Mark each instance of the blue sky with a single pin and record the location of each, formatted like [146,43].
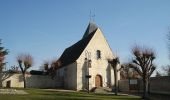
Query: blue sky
[44,28]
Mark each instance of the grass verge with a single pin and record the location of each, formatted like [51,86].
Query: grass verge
[40,94]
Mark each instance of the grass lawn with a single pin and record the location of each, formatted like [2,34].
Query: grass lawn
[40,94]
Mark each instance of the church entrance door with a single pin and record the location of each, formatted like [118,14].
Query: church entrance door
[98,81]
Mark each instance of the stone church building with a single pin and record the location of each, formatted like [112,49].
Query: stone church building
[85,63]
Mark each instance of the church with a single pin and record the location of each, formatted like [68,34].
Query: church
[84,65]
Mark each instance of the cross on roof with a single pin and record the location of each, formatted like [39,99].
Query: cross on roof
[92,16]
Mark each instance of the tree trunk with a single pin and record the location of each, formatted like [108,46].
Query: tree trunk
[24,80]
[1,79]
[149,83]
[116,82]
[0,83]
[145,88]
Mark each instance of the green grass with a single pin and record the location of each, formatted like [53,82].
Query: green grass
[39,94]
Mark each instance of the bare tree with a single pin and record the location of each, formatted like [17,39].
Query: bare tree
[127,72]
[124,74]
[45,66]
[25,61]
[51,67]
[166,69]
[168,42]
[3,53]
[143,63]
[114,63]
[158,74]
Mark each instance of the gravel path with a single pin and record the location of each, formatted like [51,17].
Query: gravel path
[12,91]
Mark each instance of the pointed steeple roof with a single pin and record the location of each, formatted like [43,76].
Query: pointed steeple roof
[72,53]
[90,29]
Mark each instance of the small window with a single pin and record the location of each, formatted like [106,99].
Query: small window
[98,54]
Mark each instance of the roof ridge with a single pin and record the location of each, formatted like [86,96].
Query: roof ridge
[72,53]
[90,29]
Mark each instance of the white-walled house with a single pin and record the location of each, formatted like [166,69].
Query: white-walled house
[87,57]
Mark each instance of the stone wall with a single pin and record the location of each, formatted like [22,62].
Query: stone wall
[69,76]
[33,81]
[123,85]
[43,81]
[158,84]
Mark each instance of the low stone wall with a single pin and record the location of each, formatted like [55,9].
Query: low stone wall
[123,85]
[158,84]
[43,81]
[33,81]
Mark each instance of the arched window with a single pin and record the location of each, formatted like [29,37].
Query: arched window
[98,54]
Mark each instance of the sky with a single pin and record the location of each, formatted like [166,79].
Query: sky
[44,28]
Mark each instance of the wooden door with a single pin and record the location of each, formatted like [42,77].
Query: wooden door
[98,81]
[8,84]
